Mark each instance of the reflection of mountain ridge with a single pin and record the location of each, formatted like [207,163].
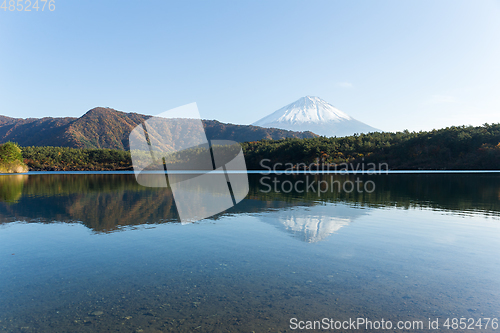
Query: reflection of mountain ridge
[107,202]
[97,211]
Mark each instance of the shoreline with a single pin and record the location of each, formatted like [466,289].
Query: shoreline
[261,172]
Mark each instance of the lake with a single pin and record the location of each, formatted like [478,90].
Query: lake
[99,253]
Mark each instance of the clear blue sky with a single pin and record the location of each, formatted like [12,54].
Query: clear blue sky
[394,65]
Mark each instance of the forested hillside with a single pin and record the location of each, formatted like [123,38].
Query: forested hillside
[464,147]
[451,148]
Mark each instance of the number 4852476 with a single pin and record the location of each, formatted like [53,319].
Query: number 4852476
[27,5]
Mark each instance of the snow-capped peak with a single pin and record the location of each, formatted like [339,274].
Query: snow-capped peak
[314,114]
[307,109]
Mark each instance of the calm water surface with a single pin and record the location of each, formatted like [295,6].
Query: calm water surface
[99,253]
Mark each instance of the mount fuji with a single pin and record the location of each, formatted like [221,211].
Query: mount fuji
[314,114]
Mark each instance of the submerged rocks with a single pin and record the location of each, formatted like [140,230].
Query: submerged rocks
[96,313]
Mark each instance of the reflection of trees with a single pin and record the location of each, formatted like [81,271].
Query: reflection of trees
[109,211]
[11,187]
[107,202]
[61,184]
[100,212]
[452,192]
[101,202]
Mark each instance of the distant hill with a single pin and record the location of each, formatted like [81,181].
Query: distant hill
[108,128]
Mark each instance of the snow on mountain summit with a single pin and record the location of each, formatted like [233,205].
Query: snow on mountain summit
[316,115]
[307,109]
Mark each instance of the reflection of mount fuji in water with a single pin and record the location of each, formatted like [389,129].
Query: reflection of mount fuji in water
[310,221]
[105,203]
[314,223]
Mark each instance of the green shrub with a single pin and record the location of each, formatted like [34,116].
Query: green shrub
[11,159]
[10,152]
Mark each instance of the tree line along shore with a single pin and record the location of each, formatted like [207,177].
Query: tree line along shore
[452,148]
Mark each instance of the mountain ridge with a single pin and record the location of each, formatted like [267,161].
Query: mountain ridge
[102,127]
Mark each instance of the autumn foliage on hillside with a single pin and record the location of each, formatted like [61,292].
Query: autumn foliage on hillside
[105,128]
